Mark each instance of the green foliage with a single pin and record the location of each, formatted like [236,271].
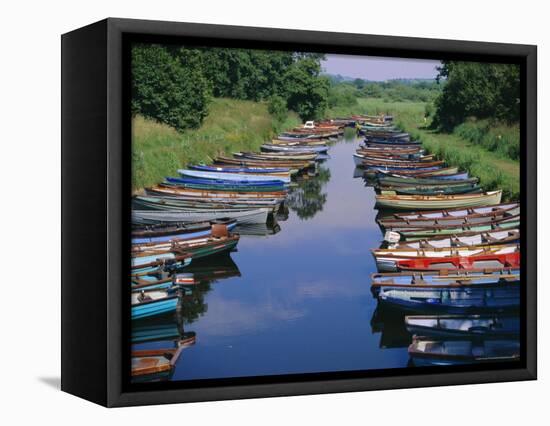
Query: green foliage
[173,85]
[343,94]
[429,109]
[168,85]
[277,108]
[246,73]
[402,90]
[480,90]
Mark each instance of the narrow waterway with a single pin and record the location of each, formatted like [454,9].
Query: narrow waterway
[298,300]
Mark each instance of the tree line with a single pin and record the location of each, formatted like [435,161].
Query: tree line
[480,90]
[346,92]
[174,84]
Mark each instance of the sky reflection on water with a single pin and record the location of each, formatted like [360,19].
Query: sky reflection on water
[302,303]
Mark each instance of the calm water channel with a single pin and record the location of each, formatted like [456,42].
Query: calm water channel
[297,301]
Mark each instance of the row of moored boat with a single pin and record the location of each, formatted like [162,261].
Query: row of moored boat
[450,261]
[202,213]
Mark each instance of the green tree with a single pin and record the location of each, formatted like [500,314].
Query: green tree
[168,85]
[480,90]
[305,90]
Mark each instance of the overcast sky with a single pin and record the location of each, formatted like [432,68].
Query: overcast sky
[379,68]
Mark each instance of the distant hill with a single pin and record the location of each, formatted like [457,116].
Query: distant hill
[338,78]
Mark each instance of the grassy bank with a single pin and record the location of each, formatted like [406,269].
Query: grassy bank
[159,150]
[494,170]
[502,139]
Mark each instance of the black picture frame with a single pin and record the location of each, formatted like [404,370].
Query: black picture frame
[95,209]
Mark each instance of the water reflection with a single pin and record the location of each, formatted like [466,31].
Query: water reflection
[391,327]
[158,342]
[307,198]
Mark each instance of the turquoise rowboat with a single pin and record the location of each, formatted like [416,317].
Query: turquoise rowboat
[147,304]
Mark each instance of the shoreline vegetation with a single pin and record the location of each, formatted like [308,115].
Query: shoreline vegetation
[193,104]
[493,168]
[232,125]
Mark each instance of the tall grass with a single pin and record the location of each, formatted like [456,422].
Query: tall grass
[232,125]
[497,137]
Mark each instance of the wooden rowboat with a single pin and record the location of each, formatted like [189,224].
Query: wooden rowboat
[432,202]
[277,157]
[243,162]
[154,364]
[188,192]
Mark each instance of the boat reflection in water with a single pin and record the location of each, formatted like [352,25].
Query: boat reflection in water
[307,198]
[159,342]
[391,326]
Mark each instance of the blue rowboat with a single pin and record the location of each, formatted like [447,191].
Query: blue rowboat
[295,149]
[228,169]
[463,326]
[452,300]
[146,304]
[273,185]
[456,176]
[232,176]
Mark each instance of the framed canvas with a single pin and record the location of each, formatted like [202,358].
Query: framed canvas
[254,212]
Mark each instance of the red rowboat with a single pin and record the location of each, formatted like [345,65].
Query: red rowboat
[508,260]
